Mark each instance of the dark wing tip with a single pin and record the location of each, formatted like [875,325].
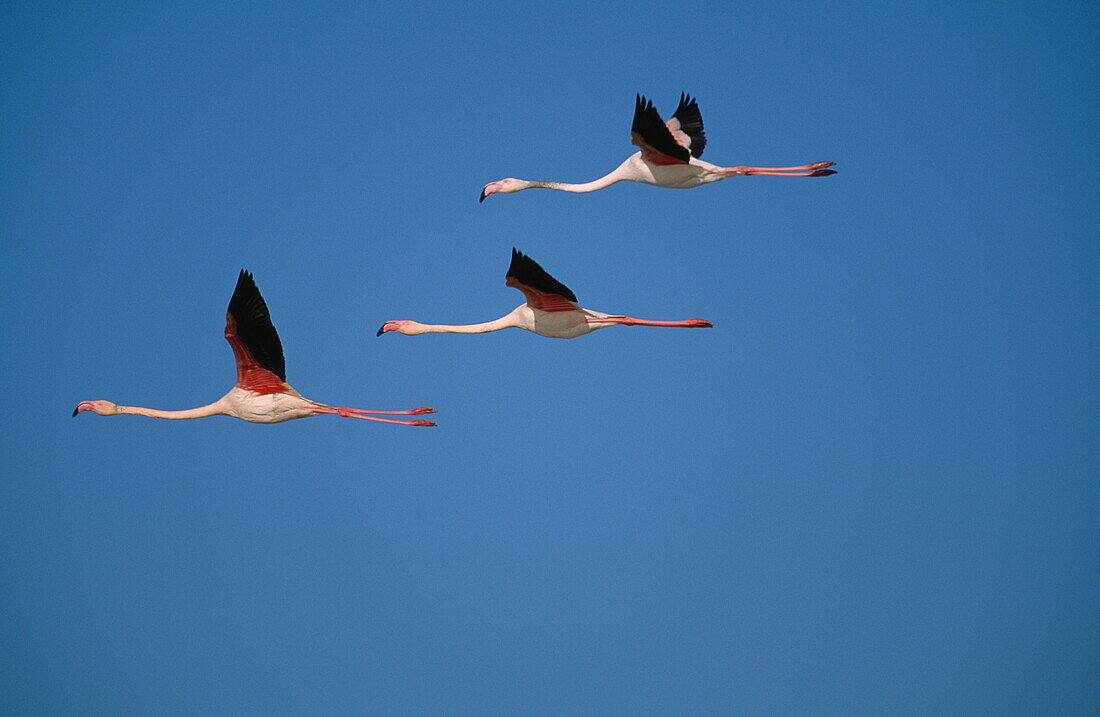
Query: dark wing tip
[254,327]
[653,132]
[517,262]
[527,271]
[691,123]
[245,288]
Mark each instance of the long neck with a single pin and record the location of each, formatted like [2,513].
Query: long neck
[605,181]
[214,409]
[503,322]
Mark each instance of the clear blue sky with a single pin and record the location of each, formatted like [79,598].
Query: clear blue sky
[870,489]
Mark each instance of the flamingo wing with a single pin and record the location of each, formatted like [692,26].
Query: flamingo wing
[543,291]
[686,125]
[254,340]
[653,136]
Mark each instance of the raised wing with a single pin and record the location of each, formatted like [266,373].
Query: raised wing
[686,125]
[542,290]
[255,343]
[656,141]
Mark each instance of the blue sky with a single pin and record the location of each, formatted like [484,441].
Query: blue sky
[870,489]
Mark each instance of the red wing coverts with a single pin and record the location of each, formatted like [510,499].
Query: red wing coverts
[688,120]
[650,133]
[543,291]
[255,343]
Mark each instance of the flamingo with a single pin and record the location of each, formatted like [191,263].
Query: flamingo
[261,394]
[669,157]
[551,310]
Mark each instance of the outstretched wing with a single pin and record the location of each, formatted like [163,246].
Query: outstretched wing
[543,291]
[686,125]
[255,343]
[650,133]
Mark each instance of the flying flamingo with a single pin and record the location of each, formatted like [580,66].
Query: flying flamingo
[261,394]
[551,310]
[669,157]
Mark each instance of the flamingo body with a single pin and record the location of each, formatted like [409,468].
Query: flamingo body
[677,175]
[268,407]
[559,324]
[551,310]
[668,157]
[262,394]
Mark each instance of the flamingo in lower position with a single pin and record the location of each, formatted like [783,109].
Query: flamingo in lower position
[551,310]
[262,394]
[669,157]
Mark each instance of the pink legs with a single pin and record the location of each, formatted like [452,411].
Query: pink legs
[817,169]
[345,412]
[631,321]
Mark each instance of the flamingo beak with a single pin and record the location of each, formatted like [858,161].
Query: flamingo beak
[82,406]
[389,326]
[490,188]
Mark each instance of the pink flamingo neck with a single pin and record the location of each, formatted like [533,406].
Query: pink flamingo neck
[604,181]
[213,409]
[504,322]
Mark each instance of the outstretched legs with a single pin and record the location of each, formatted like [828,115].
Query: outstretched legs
[345,412]
[631,321]
[817,169]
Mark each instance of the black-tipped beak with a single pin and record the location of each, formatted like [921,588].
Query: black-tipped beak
[381,330]
[482,198]
[76,410]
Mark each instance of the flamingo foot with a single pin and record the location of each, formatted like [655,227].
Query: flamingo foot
[631,321]
[413,412]
[763,173]
[817,169]
[345,412]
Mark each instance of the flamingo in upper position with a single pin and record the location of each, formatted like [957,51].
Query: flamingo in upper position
[669,157]
[551,310]
[261,394]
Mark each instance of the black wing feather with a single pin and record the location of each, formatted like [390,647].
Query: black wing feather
[651,128]
[691,123]
[254,327]
[526,271]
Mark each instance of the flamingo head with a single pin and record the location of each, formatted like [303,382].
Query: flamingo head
[507,185]
[103,408]
[409,328]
